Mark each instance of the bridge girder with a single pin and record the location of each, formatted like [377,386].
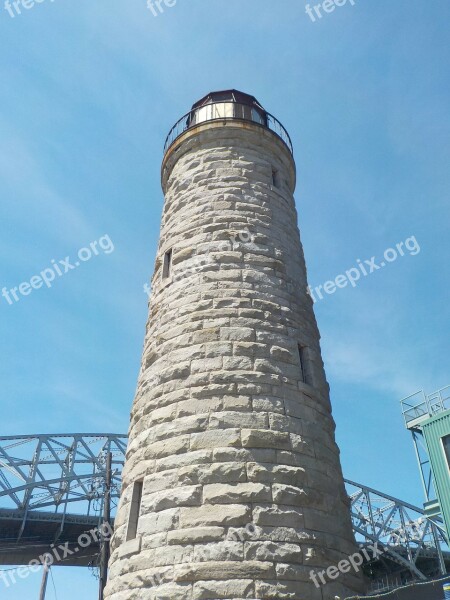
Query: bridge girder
[52,489]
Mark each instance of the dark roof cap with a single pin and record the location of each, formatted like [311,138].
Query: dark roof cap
[228,96]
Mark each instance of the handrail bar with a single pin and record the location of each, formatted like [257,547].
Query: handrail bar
[186,122]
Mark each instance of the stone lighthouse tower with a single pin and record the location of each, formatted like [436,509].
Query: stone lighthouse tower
[232,486]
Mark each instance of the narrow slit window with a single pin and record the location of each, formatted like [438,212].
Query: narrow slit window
[135,510]
[275,178]
[302,350]
[167,264]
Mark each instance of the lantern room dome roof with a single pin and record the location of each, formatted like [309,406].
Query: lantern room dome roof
[228,96]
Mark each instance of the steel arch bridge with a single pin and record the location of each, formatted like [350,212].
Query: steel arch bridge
[52,491]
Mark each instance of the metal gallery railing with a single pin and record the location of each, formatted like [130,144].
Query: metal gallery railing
[225,111]
[419,405]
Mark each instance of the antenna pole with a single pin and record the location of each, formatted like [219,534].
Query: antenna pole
[46,565]
[106,521]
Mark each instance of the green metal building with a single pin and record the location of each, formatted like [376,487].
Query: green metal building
[428,419]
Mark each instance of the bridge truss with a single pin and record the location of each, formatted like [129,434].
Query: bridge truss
[52,489]
[413,545]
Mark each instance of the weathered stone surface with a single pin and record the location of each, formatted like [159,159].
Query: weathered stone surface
[216,438]
[157,522]
[288,590]
[218,493]
[256,569]
[278,516]
[215,590]
[242,488]
[258,438]
[172,498]
[270,473]
[129,548]
[238,419]
[224,551]
[195,535]
[273,551]
[200,457]
[215,473]
[215,515]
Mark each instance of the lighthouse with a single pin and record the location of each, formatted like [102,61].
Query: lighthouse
[232,486]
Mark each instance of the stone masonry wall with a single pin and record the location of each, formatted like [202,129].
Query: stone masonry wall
[242,487]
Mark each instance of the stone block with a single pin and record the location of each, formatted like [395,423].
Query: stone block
[265,455]
[129,548]
[150,542]
[199,457]
[195,535]
[259,438]
[172,555]
[172,498]
[175,445]
[290,590]
[239,403]
[216,438]
[230,472]
[217,590]
[302,444]
[238,419]
[220,570]
[197,406]
[170,591]
[218,493]
[289,494]
[237,334]
[206,365]
[219,551]
[156,523]
[269,405]
[208,515]
[180,426]
[241,363]
[211,334]
[278,516]
[293,572]
[273,551]
[270,473]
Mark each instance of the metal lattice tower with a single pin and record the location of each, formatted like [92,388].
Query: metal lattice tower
[419,409]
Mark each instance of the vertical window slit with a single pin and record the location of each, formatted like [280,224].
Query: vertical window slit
[303,364]
[135,510]
[275,178]
[167,264]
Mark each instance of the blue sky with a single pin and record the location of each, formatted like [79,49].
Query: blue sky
[89,92]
